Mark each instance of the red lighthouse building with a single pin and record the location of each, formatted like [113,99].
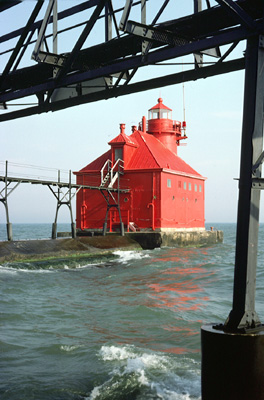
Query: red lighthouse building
[141,183]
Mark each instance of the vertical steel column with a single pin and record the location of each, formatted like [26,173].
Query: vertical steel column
[233,353]
[108,23]
[8,224]
[144,44]
[243,314]
[73,226]
[122,230]
[197,6]
[105,222]
[54,225]
[60,201]
[198,57]
[55,27]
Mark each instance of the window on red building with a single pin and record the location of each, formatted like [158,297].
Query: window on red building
[118,154]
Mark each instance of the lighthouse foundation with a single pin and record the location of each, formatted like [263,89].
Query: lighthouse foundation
[149,240]
[176,238]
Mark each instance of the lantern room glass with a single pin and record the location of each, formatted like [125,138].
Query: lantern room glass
[160,113]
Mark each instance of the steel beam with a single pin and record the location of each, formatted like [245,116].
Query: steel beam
[22,38]
[133,62]
[243,315]
[63,14]
[205,72]
[234,9]
[42,30]
[81,40]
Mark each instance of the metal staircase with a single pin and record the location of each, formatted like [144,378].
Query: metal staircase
[110,175]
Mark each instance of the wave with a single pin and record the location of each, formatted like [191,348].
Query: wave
[126,256]
[138,374]
[50,266]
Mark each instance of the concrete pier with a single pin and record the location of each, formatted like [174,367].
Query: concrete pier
[94,243]
[29,250]
[169,238]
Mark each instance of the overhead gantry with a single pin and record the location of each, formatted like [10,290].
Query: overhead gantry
[108,68]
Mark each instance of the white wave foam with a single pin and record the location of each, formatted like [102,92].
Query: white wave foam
[68,348]
[7,270]
[14,270]
[165,377]
[110,353]
[125,256]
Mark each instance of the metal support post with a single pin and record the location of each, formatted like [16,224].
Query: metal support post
[108,23]
[42,30]
[233,353]
[243,314]
[65,199]
[122,230]
[73,227]
[105,222]
[55,27]
[4,193]
[8,225]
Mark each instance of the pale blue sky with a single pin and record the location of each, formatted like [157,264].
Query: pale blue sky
[71,138]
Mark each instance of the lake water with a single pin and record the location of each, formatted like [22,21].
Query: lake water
[125,328]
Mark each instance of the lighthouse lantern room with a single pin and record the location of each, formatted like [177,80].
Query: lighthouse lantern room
[142,184]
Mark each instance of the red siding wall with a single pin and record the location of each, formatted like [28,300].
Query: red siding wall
[182,204]
[141,205]
[156,200]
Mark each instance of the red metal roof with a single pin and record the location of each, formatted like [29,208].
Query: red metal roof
[160,105]
[149,153]
[122,138]
[152,154]
[98,163]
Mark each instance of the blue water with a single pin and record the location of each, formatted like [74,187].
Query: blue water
[125,328]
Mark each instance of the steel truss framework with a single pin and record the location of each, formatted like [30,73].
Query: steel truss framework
[108,69]
[64,192]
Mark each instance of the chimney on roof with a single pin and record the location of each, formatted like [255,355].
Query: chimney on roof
[122,128]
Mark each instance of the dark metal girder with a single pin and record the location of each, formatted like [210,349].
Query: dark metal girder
[133,62]
[243,315]
[185,76]
[113,50]
[81,40]
[61,15]
[22,38]
[211,21]
[5,4]
[238,12]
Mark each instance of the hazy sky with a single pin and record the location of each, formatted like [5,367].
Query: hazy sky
[71,138]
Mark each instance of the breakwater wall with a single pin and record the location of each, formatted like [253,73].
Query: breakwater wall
[96,245]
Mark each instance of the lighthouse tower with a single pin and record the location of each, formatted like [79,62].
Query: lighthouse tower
[161,191]
[161,125]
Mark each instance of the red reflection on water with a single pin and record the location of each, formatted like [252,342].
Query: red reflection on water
[180,350]
[183,330]
[181,288]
